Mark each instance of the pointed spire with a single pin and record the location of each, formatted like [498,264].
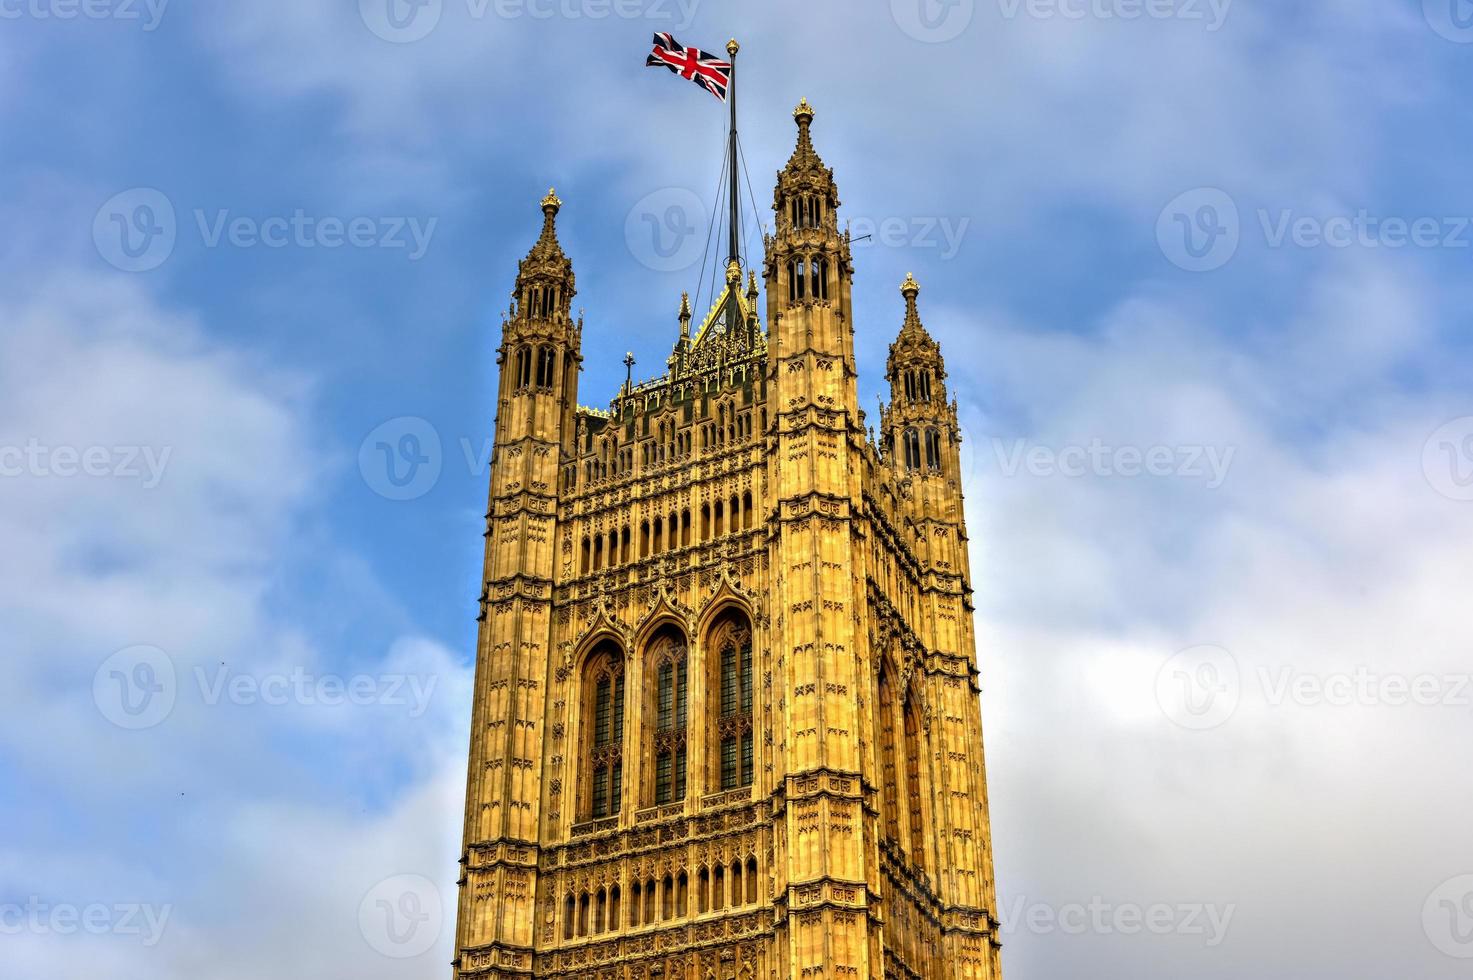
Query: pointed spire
[912,332]
[545,284]
[685,316]
[805,183]
[551,204]
[914,343]
[804,157]
[910,289]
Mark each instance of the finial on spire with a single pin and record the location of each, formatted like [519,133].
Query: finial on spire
[685,315]
[912,332]
[732,47]
[733,273]
[752,284]
[551,202]
[910,289]
[804,112]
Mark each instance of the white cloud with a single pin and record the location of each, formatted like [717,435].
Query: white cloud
[251,819]
[1321,557]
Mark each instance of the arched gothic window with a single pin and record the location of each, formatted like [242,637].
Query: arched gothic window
[541,301]
[668,668]
[603,731]
[912,449]
[797,279]
[885,740]
[915,788]
[546,366]
[933,449]
[730,650]
[523,367]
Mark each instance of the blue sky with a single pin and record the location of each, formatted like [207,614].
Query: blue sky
[1301,361]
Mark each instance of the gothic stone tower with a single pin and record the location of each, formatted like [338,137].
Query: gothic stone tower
[726,719]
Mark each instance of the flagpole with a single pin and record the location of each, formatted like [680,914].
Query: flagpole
[735,243]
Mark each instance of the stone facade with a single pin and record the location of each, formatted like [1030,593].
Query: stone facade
[726,719]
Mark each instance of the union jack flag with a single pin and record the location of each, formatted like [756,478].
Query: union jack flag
[706,70]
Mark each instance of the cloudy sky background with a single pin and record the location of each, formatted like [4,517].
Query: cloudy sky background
[1142,636]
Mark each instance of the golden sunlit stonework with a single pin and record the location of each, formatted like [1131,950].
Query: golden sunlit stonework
[726,720]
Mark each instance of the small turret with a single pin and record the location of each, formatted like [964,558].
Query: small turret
[919,426]
[541,343]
